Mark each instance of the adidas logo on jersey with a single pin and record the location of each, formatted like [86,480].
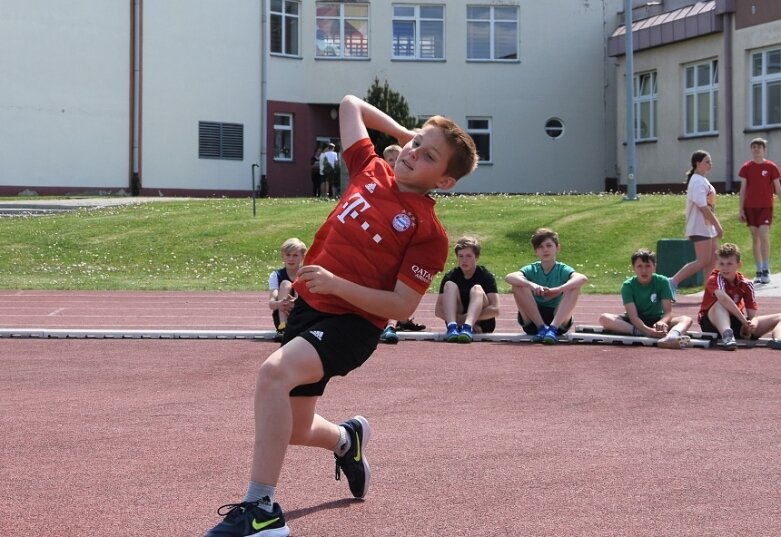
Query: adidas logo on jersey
[317,333]
[370,187]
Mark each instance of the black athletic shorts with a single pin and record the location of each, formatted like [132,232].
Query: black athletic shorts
[343,342]
[707,326]
[547,315]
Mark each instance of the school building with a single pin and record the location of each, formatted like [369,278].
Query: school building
[193,97]
[707,75]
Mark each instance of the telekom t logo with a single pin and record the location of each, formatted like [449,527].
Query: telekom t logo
[353,209]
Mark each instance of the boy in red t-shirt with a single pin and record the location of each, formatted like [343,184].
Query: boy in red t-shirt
[760,180]
[729,306]
[372,259]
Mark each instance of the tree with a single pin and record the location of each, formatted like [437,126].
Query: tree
[392,103]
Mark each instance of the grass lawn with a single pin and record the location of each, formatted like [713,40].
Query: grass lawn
[216,244]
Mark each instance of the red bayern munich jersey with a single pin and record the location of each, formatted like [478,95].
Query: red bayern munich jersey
[741,291]
[759,183]
[376,235]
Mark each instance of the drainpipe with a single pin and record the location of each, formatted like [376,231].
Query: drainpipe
[729,107]
[263,95]
[135,96]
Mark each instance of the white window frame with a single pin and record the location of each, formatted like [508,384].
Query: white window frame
[764,86]
[283,130]
[346,12]
[642,101]
[280,11]
[411,13]
[493,22]
[697,91]
[476,131]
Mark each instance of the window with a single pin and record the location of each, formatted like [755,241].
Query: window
[766,88]
[492,33]
[418,32]
[342,30]
[283,137]
[479,128]
[220,140]
[284,27]
[645,106]
[700,98]
[554,128]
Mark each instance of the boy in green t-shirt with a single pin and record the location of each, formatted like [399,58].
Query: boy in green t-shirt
[647,298]
[546,291]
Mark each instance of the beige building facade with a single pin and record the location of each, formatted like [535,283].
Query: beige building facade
[707,75]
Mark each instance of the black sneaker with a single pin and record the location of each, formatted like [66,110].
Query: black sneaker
[246,519]
[354,463]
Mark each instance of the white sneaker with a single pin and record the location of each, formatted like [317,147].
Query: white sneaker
[765,277]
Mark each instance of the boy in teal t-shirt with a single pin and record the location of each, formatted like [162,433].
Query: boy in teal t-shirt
[647,299]
[546,291]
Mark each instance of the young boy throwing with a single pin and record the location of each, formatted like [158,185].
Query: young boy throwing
[647,298]
[546,291]
[372,259]
[729,306]
[468,300]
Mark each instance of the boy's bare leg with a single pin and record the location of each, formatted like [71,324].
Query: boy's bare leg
[285,289]
[451,303]
[615,323]
[769,323]
[720,318]
[478,301]
[566,307]
[309,428]
[294,364]
[527,306]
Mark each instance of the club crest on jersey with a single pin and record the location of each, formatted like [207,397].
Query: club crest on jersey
[402,222]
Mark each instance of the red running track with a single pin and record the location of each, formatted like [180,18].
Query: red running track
[148,437]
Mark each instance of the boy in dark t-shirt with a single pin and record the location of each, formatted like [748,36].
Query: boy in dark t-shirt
[468,301]
[372,259]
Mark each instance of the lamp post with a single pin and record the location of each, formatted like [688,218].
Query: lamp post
[631,183]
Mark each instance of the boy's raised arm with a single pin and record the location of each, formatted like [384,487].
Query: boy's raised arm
[356,116]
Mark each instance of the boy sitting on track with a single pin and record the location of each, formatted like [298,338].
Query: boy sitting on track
[372,259]
[546,291]
[280,283]
[729,305]
[647,298]
[468,299]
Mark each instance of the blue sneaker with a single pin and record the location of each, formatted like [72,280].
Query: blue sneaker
[247,519]
[389,336]
[452,333]
[354,463]
[540,335]
[465,335]
[551,336]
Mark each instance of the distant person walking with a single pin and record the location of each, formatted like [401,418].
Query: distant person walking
[702,226]
[760,181]
[328,159]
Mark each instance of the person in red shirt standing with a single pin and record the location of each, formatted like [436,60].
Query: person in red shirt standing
[729,305]
[760,181]
[373,259]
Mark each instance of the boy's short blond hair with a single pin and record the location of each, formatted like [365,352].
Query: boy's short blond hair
[464,159]
[293,245]
[543,234]
[758,141]
[728,249]
[468,242]
[393,148]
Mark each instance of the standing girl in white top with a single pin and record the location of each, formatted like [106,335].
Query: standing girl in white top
[702,226]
